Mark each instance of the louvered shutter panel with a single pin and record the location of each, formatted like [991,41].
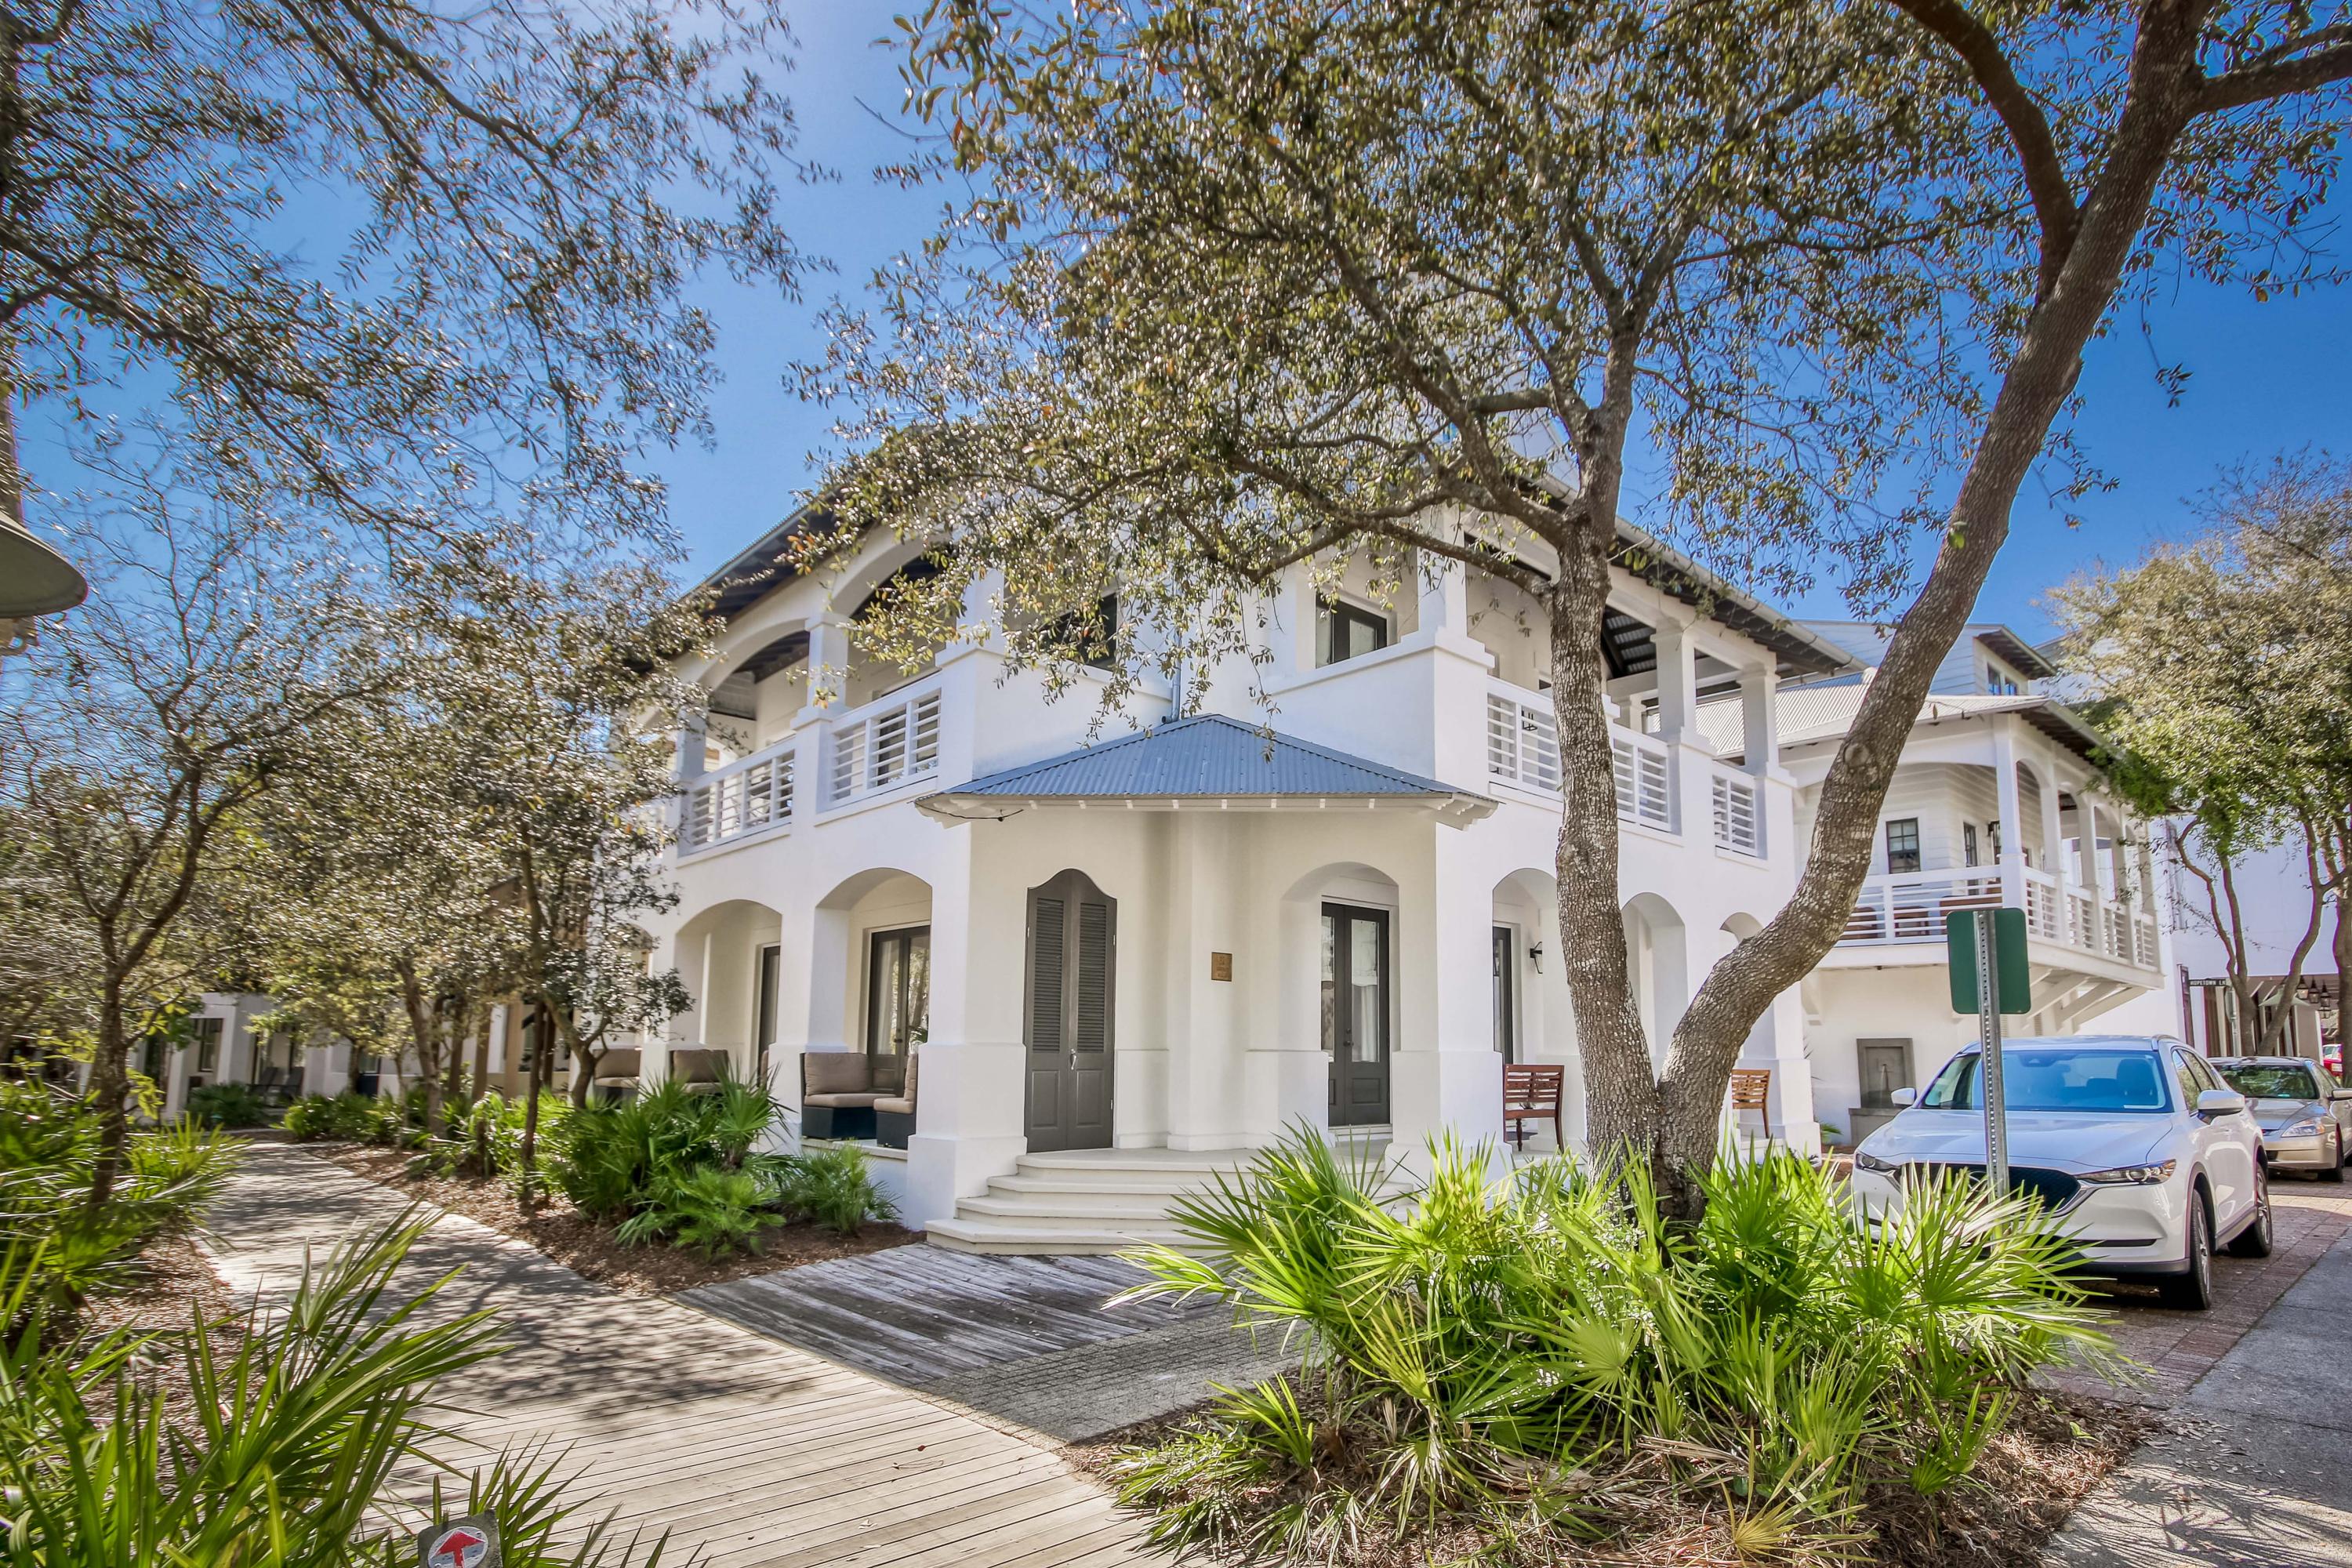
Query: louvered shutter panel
[1047,979]
[1094,978]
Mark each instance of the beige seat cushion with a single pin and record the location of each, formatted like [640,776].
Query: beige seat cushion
[837,1072]
[841,1101]
[895,1107]
[696,1065]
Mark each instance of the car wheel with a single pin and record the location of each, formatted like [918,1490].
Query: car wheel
[2334,1171]
[2193,1291]
[2254,1241]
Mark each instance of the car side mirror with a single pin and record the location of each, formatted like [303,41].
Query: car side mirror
[2221,1103]
[2339,1095]
[1909,1097]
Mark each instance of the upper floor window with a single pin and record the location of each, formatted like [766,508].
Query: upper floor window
[1902,844]
[1094,642]
[1999,681]
[1345,631]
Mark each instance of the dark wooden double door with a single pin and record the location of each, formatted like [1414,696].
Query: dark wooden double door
[1072,959]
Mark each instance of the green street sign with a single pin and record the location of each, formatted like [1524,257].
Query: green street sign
[2010,968]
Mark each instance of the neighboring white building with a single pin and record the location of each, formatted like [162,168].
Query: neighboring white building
[1996,801]
[1148,953]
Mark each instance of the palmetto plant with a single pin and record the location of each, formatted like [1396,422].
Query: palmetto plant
[1485,1344]
[282,1455]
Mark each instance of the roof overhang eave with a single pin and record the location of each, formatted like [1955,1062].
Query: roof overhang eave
[1457,808]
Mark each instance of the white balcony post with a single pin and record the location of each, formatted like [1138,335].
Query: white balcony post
[2013,814]
[1759,719]
[1446,600]
[1677,682]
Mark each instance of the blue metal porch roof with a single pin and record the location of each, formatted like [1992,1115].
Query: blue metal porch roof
[1208,756]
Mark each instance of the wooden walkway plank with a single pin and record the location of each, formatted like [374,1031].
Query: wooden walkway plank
[753,1450]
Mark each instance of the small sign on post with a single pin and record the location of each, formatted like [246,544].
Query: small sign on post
[1985,955]
[468,1542]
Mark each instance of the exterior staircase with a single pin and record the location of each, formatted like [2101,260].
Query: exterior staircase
[1084,1201]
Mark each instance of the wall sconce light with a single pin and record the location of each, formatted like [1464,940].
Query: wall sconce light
[1535,956]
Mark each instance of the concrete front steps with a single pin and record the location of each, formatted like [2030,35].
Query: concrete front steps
[1085,1201]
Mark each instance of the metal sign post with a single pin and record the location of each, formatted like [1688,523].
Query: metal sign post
[1996,1107]
[1985,953]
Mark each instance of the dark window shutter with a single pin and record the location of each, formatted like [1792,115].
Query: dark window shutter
[1094,977]
[1049,934]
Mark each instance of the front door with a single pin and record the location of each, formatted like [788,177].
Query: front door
[1355,1012]
[764,1008]
[1506,1000]
[1072,940]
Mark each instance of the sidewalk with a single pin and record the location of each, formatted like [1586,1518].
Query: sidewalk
[2260,1472]
[761,1455]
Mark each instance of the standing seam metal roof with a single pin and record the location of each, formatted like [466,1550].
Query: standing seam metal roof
[1206,755]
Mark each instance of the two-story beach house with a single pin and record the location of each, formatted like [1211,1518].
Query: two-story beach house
[1085,973]
[1997,801]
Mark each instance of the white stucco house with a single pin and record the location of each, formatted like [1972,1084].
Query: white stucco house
[1997,801]
[1324,898]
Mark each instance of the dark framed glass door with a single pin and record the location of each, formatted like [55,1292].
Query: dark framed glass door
[765,1010]
[1506,997]
[898,1001]
[1067,1016]
[1355,1012]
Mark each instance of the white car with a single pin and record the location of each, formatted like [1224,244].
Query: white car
[2134,1141]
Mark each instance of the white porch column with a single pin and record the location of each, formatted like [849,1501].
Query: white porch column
[1759,719]
[2013,814]
[1677,681]
[828,667]
[1206,1030]
[969,1092]
[1445,602]
[1444,1074]
[327,1068]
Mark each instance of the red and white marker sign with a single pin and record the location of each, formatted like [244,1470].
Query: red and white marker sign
[470,1542]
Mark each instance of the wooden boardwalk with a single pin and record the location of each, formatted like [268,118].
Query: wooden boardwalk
[753,1452]
[917,1314]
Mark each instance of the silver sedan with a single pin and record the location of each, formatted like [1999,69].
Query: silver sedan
[2304,1114]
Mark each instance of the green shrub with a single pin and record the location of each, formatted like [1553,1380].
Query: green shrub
[708,1208]
[49,1153]
[832,1187]
[294,1437]
[685,1168]
[227,1105]
[1507,1350]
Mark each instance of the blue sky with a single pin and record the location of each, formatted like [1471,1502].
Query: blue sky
[2265,378]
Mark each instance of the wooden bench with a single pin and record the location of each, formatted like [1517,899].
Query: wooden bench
[1531,1092]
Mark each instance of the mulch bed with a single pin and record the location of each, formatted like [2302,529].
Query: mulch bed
[173,1285]
[587,1247]
[2056,1448]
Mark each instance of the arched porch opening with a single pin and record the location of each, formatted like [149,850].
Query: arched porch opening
[1657,968]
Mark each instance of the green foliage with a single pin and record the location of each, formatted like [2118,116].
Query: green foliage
[1501,1336]
[289,1440]
[670,1165]
[62,1249]
[227,1105]
[832,1187]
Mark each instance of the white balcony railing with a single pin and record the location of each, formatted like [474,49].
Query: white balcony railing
[1738,816]
[1523,748]
[1522,740]
[743,797]
[1910,906]
[1645,779]
[885,744]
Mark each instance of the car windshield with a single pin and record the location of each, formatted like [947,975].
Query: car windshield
[2107,1082]
[2273,1081]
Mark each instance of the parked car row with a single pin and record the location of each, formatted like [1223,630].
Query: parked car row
[2151,1154]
